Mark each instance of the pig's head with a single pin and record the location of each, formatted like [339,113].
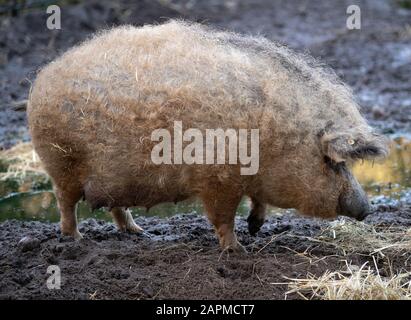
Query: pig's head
[339,151]
[315,177]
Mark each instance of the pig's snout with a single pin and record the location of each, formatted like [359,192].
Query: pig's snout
[354,204]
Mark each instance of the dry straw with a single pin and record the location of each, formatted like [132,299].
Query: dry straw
[21,160]
[351,236]
[358,283]
[353,284]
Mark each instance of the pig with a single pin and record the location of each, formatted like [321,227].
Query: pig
[92,113]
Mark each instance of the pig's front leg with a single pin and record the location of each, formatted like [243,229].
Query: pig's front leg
[257,216]
[220,203]
[124,220]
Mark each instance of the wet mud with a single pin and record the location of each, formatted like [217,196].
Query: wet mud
[176,258]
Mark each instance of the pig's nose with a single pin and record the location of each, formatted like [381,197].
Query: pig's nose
[361,216]
[356,207]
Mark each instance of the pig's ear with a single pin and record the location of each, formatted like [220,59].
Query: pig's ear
[343,147]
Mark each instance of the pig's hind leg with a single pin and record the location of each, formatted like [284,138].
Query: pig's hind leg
[257,216]
[67,197]
[124,220]
[221,203]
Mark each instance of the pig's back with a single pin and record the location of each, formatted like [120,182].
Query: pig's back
[167,71]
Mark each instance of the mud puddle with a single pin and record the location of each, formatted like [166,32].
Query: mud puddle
[387,183]
[42,206]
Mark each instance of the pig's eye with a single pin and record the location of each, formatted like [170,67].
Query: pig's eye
[336,167]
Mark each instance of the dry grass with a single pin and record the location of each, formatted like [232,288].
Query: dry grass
[351,236]
[21,160]
[352,284]
[359,283]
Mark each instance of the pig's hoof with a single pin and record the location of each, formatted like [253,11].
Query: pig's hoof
[235,247]
[130,226]
[75,234]
[133,227]
[125,222]
[238,248]
[254,224]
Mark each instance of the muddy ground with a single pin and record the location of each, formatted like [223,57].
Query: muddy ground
[179,257]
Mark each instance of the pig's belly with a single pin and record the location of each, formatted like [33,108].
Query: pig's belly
[99,194]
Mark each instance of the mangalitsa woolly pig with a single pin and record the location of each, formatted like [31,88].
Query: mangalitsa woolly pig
[93,110]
